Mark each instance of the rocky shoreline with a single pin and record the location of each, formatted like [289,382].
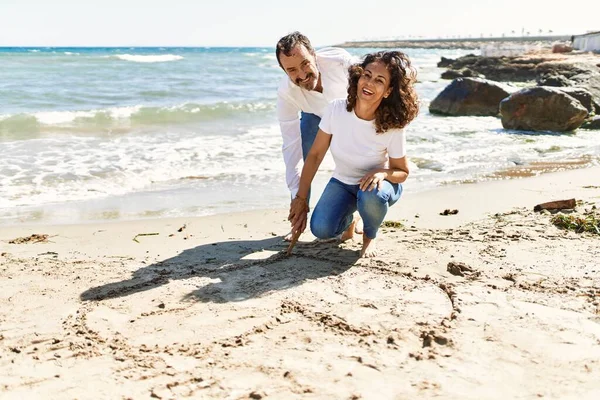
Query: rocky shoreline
[464,44]
[555,92]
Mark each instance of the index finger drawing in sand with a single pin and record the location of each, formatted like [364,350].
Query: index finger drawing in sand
[365,134]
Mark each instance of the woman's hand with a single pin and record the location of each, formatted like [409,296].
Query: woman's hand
[372,180]
[298,214]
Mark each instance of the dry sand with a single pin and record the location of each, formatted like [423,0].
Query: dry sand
[216,311]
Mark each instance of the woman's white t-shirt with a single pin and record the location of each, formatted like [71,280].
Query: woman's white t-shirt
[355,145]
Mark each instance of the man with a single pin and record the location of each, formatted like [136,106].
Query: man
[314,78]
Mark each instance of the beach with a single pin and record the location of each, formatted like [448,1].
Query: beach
[142,216]
[493,302]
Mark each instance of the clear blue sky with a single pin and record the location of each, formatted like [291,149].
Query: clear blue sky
[262,22]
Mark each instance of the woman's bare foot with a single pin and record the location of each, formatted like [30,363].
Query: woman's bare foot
[369,249]
[358,228]
[288,237]
[349,233]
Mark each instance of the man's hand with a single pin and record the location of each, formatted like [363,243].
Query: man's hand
[372,180]
[298,214]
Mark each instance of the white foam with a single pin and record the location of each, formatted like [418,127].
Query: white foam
[60,117]
[65,117]
[149,58]
[122,112]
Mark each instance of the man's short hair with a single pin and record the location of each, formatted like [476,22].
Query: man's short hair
[288,42]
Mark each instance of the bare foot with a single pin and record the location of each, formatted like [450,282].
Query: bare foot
[349,233]
[288,237]
[358,228]
[369,249]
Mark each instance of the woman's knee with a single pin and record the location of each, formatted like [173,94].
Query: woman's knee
[322,228]
[375,196]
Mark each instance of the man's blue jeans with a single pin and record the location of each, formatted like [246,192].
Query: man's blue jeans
[309,126]
[333,213]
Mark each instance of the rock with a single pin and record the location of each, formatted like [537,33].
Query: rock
[581,94]
[593,123]
[542,108]
[458,268]
[577,71]
[522,68]
[553,80]
[445,62]
[461,73]
[470,96]
[495,68]
[561,48]
[451,74]
[589,80]
[459,62]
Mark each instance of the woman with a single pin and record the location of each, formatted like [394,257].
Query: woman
[365,133]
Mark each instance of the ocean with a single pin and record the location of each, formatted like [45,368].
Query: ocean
[90,134]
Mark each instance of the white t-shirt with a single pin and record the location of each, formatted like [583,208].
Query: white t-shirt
[355,145]
[333,64]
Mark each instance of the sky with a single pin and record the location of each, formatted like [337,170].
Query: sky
[263,22]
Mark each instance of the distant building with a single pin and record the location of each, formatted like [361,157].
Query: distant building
[588,42]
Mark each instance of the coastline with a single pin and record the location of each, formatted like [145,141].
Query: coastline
[193,310]
[463,43]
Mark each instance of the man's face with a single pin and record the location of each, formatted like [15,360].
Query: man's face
[301,67]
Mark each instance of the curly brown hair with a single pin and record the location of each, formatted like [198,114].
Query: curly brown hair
[402,105]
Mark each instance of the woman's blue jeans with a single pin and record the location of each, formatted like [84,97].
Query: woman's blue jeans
[333,213]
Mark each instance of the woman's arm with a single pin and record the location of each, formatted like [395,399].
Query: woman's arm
[299,205]
[396,173]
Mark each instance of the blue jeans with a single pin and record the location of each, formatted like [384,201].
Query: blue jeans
[333,213]
[309,126]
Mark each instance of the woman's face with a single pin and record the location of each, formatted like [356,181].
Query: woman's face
[374,83]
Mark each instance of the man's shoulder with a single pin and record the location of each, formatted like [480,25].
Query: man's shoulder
[333,54]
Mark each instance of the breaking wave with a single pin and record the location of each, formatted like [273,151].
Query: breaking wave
[124,119]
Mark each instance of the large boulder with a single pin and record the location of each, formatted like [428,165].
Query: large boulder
[470,96]
[542,108]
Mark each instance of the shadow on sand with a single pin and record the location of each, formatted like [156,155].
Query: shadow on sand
[236,270]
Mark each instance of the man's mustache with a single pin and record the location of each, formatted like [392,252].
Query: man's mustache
[309,75]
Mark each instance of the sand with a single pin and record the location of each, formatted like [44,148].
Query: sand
[494,302]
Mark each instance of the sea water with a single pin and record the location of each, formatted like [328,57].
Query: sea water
[92,134]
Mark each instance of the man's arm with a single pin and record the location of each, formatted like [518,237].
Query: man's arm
[289,122]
